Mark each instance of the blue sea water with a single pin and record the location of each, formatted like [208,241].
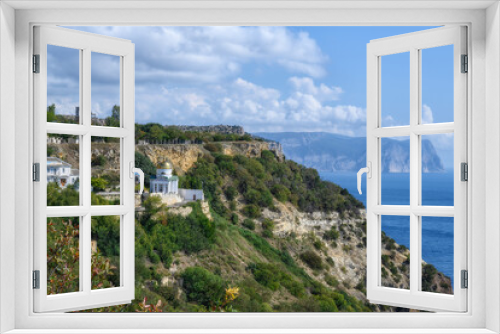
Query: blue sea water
[437,232]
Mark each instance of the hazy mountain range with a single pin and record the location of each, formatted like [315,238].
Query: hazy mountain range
[330,152]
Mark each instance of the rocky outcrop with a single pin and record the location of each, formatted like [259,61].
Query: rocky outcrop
[347,250]
[252,149]
[225,129]
[181,156]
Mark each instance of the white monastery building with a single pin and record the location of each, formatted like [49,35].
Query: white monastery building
[166,185]
[61,172]
[164,182]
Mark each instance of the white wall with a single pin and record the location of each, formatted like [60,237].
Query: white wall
[7,65]
[492,166]
[188,194]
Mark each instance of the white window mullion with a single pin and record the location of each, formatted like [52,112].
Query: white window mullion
[414,169]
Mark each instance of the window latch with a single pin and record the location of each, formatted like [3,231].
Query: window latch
[368,171]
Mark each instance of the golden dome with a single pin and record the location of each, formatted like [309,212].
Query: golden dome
[165,165]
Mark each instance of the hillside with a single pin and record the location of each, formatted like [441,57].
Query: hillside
[330,152]
[280,238]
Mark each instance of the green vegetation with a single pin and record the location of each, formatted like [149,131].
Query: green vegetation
[229,263]
[154,132]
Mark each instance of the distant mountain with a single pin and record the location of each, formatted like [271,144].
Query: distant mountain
[330,152]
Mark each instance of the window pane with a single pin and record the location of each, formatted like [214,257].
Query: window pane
[437,254]
[105,180]
[105,90]
[63,170]
[105,252]
[395,171]
[395,89]
[63,255]
[437,84]
[395,262]
[63,85]
[437,170]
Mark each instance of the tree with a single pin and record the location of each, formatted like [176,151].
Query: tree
[114,120]
[99,184]
[147,166]
[202,286]
[51,113]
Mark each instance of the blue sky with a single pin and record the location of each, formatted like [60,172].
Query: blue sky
[263,78]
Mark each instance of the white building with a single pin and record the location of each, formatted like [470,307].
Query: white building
[61,172]
[164,182]
[166,185]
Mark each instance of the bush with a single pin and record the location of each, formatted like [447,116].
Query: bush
[231,193]
[249,224]
[213,147]
[234,218]
[98,184]
[267,234]
[251,211]
[331,234]
[202,286]
[312,260]
[268,224]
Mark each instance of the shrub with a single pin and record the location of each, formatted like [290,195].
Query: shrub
[249,224]
[312,260]
[213,147]
[234,218]
[202,286]
[251,211]
[268,224]
[267,234]
[331,281]
[99,184]
[231,193]
[331,234]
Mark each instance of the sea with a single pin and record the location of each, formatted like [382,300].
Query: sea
[437,232]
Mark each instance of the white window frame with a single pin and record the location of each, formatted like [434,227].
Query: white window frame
[414,43]
[86,44]
[483,101]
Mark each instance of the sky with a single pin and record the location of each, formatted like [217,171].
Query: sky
[267,79]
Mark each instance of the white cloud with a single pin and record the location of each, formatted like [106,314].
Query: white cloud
[427,117]
[255,107]
[321,92]
[198,55]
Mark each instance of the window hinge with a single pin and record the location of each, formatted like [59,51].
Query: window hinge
[465,279]
[36,63]
[464,170]
[36,279]
[36,172]
[465,64]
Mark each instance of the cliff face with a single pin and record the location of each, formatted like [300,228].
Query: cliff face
[182,156]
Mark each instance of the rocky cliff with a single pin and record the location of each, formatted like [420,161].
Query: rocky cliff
[330,152]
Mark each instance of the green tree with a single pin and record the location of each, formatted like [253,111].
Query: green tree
[99,184]
[51,113]
[202,286]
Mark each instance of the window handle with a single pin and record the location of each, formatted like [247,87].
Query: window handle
[368,171]
[138,171]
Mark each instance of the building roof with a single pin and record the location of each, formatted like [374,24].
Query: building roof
[164,178]
[56,162]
